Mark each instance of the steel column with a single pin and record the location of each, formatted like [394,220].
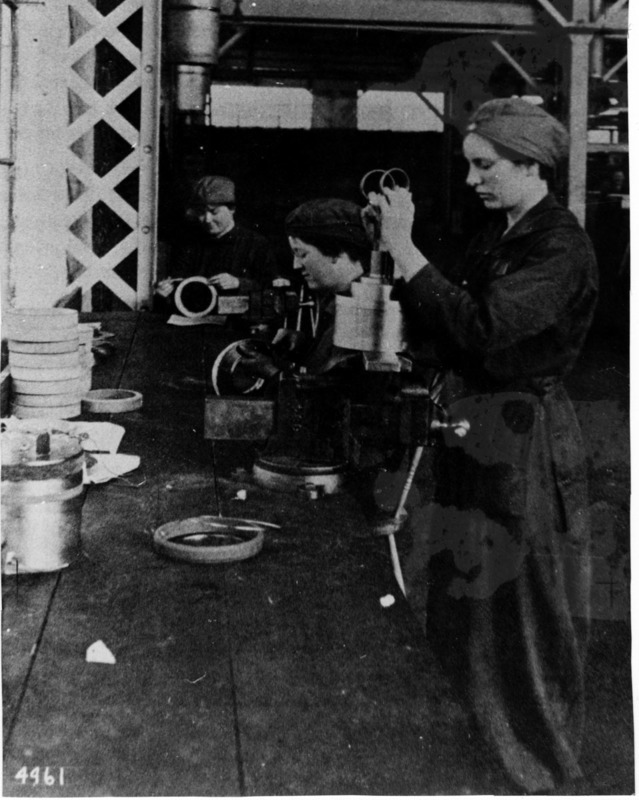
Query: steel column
[578,71]
[149,157]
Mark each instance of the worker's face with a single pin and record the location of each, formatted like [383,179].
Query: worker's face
[500,183]
[215,220]
[320,271]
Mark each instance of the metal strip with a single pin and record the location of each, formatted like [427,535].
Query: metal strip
[514,63]
[614,69]
[552,12]
[149,151]
[611,11]
[432,107]
[57,497]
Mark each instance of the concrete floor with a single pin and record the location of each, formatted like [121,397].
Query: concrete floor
[282,674]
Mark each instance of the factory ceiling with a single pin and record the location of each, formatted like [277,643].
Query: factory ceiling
[360,41]
[370,41]
[417,14]
[303,54]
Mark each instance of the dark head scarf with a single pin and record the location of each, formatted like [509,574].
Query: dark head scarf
[330,218]
[522,128]
[212,190]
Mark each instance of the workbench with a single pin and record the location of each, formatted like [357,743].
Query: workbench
[279,675]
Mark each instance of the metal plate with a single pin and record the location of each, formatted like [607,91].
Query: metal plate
[211,540]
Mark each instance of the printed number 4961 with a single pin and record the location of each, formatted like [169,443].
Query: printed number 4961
[41,775]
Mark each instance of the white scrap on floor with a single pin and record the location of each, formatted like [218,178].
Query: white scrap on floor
[109,466]
[99,653]
[189,322]
[387,601]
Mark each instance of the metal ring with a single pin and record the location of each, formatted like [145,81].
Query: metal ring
[362,183]
[388,175]
[111,401]
[187,539]
[179,301]
[225,365]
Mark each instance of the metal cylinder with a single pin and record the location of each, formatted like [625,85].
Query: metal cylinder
[192,87]
[310,443]
[369,320]
[193,31]
[42,497]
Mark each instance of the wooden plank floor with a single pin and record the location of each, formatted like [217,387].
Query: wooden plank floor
[278,675]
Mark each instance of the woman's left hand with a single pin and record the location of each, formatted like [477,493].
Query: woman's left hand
[225,281]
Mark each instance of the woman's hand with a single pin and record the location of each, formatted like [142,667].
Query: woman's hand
[257,364]
[165,287]
[287,342]
[396,216]
[397,213]
[225,281]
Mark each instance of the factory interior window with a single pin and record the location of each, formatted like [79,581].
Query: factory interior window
[379,110]
[291,107]
[259,107]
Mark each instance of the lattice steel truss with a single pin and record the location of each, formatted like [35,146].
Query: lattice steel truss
[112,139]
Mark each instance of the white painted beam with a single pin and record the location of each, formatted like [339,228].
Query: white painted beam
[37,271]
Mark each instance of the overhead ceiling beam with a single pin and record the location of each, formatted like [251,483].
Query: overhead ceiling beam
[482,13]
[459,17]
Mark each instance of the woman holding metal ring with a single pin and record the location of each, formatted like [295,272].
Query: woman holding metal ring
[499,570]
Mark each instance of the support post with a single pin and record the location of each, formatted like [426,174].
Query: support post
[149,156]
[38,256]
[596,50]
[578,72]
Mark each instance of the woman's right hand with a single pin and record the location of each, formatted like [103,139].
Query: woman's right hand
[397,214]
[287,342]
[164,287]
[257,364]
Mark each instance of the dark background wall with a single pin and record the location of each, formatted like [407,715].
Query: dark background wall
[277,169]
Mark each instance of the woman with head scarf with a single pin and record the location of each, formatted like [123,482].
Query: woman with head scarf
[232,257]
[331,249]
[499,570]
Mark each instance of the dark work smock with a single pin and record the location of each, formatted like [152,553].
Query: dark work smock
[499,566]
[241,252]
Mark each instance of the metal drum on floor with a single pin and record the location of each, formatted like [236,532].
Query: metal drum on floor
[42,498]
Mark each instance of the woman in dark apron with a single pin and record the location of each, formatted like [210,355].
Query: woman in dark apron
[499,569]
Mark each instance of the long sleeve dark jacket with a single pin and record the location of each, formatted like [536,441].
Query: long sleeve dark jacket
[518,308]
[241,252]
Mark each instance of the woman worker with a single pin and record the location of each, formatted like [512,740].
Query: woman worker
[231,256]
[331,248]
[499,566]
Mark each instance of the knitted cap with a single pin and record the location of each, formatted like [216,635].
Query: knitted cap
[523,128]
[213,190]
[329,217]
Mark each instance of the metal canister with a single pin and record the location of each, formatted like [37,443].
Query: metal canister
[42,497]
[193,31]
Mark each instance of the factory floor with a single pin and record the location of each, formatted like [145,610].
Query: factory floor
[282,674]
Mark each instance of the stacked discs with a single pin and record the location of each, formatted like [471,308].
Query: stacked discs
[44,361]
